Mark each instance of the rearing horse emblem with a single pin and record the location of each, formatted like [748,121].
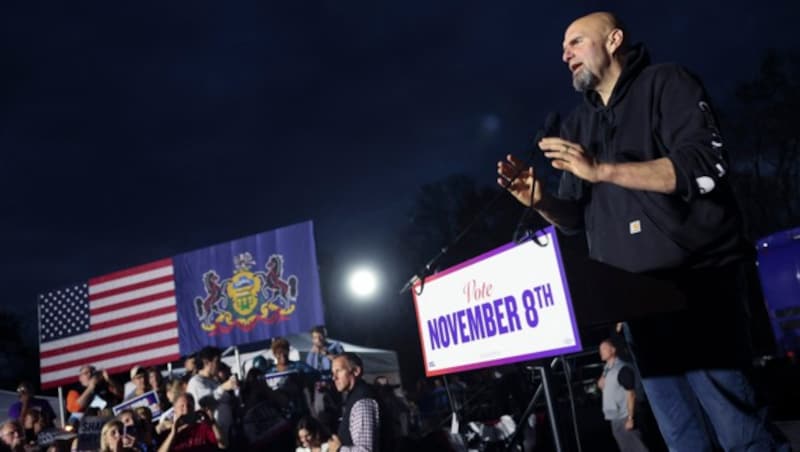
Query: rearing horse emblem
[214,303]
[282,293]
[248,297]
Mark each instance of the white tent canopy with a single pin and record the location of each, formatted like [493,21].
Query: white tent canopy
[376,361]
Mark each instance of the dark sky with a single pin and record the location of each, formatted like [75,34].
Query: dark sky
[138,130]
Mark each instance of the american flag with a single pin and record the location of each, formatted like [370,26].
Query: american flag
[112,322]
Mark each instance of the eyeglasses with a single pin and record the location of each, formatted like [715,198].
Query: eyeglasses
[12,433]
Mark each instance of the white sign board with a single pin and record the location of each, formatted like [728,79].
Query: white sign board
[508,305]
[148,399]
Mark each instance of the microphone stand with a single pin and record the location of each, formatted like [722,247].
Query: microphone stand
[427,269]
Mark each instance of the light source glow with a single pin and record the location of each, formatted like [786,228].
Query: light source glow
[363,282]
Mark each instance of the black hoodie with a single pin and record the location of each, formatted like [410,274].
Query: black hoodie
[655,111]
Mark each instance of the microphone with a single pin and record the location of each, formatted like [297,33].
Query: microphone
[551,126]
[552,123]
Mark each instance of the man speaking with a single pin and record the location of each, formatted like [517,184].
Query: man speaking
[645,176]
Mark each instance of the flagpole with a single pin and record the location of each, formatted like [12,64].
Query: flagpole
[238,363]
[61,405]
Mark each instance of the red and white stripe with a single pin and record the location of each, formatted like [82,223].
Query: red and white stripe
[134,321]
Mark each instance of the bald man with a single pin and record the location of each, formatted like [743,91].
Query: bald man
[645,177]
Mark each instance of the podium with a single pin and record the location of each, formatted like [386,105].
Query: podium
[525,301]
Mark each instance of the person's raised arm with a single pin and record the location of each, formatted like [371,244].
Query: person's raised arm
[528,190]
[655,175]
[114,386]
[693,161]
[167,444]
[88,393]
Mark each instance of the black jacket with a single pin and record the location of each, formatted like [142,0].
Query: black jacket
[692,237]
[655,111]
[360,391]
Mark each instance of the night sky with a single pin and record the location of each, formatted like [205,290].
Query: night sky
[138,130]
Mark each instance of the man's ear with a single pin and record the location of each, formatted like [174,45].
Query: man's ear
[614,40]
[357,371]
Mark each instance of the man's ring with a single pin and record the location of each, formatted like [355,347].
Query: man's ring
[566,148]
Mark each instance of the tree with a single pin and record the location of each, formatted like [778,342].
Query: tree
[18,361]
[443,209]
[766,155]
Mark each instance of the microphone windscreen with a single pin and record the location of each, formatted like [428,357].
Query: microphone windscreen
[550,127]
[551,124]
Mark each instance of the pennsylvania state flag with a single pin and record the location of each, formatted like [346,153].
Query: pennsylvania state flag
[249,289]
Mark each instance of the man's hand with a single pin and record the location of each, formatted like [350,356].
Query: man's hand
[334,444]
[571,157]
[525,188]
[528,190]
[629,423]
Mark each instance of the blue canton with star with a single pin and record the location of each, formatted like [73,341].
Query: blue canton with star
[64,312]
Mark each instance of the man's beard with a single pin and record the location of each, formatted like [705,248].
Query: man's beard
[583,80]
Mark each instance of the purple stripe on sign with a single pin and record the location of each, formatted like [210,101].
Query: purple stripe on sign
[551,230]
[503,361]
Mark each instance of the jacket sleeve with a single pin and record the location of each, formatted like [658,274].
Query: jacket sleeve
[687,129]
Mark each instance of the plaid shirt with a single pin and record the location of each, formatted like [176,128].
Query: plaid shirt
[364,420]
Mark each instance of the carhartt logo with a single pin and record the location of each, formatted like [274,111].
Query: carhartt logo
[635,227]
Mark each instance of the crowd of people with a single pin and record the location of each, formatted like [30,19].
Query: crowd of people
[286,405]
[319,404]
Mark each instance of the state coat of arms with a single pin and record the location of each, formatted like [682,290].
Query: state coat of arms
[248,297]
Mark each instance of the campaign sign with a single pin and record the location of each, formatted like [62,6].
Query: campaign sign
[148,399]
[508,305]
[276,379]
[89,432]
[50,435]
